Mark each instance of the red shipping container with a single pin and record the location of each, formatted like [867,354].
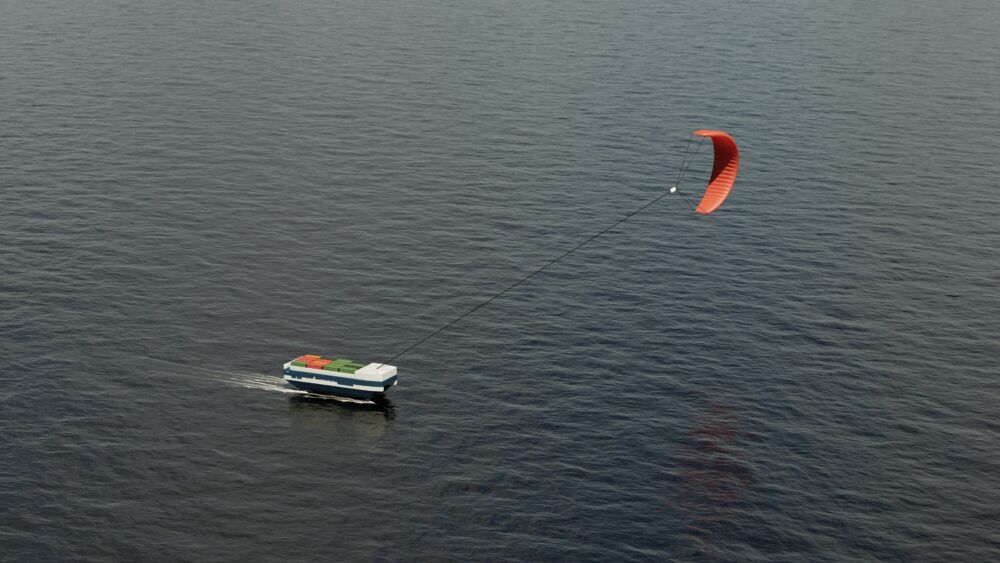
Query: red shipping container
[317,364]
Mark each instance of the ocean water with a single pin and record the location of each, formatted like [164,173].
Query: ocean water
[192,193]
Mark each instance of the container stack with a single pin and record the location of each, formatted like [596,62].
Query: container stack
[339,365]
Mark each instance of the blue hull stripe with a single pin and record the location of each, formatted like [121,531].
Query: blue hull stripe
[330,390]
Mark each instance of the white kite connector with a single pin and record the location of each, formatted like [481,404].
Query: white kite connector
[673,189]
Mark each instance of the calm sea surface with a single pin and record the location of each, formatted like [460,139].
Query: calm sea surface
[192,193]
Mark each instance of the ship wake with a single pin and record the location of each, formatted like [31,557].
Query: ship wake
[264,382]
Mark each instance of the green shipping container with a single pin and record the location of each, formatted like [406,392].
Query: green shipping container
[300,364]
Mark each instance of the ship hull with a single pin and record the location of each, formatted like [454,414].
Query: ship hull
[340,384]
[335,390]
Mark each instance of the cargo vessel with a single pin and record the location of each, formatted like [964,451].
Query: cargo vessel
[339,376]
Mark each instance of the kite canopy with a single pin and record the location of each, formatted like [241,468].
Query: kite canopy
[727,161]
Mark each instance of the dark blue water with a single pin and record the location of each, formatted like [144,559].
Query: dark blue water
[192,193]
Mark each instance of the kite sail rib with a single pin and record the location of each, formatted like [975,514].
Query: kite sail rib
[724,168]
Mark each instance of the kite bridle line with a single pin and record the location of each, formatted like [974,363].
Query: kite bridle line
[680,176]
[685,166]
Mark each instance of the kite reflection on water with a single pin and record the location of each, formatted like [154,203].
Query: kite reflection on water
[713,475]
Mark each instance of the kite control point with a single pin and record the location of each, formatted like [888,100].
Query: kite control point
[673,189]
